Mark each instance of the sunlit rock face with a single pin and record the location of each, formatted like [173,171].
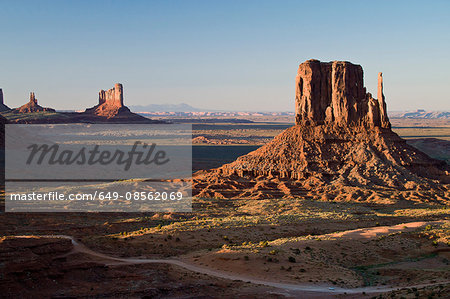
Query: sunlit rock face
[110,102]
[334,93]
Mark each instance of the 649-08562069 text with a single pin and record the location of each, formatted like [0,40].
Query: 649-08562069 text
[102,196]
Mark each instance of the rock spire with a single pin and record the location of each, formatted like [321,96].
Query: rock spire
[32,106]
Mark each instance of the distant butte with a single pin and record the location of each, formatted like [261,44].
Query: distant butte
[110,107]
[110,102]
[32,106]
[3,107]
[342,140]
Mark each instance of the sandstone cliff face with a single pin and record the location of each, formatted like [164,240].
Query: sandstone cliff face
[3,107]
[32,106]
[334,93]
[110,103]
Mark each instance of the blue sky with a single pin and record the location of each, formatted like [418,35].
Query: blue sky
[231,55]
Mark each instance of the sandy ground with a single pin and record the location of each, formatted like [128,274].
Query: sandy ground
[227,265]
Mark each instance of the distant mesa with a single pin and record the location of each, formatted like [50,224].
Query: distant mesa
[110,108]
[421,114]
[110,102]
[32,106]
[342,140]
[3,107]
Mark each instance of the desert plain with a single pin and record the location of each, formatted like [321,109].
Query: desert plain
[301,247]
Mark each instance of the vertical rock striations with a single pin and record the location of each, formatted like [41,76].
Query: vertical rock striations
[384,120]
[113,97]
[110,108]
[334,93]
[110,103]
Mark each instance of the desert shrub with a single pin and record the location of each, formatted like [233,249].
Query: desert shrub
[263,243]
[291,259]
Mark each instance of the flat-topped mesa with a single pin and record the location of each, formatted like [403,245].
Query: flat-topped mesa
[32,106]
[334,93]
[110,102]
[3,107]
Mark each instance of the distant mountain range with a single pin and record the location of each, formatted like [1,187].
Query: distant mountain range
[421,114]
[166,108]
[183,107]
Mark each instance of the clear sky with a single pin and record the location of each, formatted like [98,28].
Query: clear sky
[231,55]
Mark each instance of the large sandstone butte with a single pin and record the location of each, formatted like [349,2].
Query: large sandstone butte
[110,103]
[110,108]
[334,93]
[32,106]
[342,147]
[3,107]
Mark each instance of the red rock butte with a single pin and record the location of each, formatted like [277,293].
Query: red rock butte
[334,92]
[32,106]
[342,138]
[110,102]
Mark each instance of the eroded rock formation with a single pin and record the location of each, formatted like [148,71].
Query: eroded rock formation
[32,106]
[342,140]
[110,102]
[334,93]
[110,108]
[3,107]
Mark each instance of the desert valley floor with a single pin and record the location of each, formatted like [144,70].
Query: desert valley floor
[240,248]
